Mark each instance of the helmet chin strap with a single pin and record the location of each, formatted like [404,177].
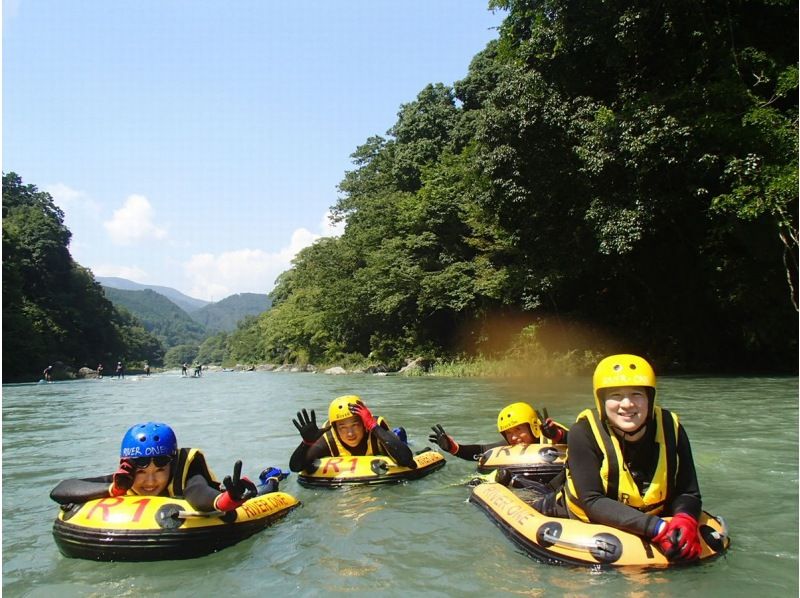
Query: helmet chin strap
[630,436]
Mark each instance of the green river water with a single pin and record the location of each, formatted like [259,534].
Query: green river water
[420,538]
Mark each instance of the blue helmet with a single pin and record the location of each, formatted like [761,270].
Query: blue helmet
[148,440]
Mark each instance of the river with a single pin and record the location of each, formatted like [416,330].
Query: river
[421,538]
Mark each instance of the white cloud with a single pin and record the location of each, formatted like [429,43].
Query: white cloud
[65,196]
[133,222]
[214,277]
[328,228]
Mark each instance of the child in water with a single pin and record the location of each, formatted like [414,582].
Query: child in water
[518,423]
[351,430]
[151,464]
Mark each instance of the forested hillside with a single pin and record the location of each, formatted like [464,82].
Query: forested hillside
[160,316]
[186,303]
[223,315]
[617,176]
[53,310]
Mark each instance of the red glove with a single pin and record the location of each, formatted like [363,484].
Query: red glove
[122,479]
[552,431]
[236,490]
[360,409]
[679,539]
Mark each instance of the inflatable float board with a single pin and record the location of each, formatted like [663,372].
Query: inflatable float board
[369,469]
[152,528]
[572,542]
[540,462]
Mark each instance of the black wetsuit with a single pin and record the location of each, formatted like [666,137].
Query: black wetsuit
[641,457]
[389,444]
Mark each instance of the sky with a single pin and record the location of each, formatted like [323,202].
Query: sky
[199,144]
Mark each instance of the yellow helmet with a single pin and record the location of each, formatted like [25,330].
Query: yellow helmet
[516,414]
[340,408]
[623,370]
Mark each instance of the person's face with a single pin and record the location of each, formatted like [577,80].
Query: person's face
[626,407]
[152,480]
[350,430]
[520,434]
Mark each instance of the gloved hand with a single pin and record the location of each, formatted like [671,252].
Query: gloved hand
[679,539]
[552,431]
[122,479]
[444,440]
[272,472]
[504,477]
[236,490]
[360,409]
[307,426]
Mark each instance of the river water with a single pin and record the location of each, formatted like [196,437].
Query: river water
[420,538]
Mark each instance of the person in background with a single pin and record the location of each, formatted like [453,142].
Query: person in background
[630,463]
[146,369]
[120,371]
[518,423]
[151,464]
[184,370]
[351,429]
[99,370]
[48,373]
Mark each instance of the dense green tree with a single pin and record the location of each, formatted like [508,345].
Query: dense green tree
[180,354]
[214,350]
[53,310]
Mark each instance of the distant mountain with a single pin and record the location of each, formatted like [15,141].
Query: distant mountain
[159,315]
[223,315]
[186,303]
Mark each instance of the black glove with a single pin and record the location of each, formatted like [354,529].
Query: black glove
[235,491]
[504,477]
[550,429]
[122,479]
[441,438]
[307,426]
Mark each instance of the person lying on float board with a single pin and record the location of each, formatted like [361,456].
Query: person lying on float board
[630,463]
[351,430]
[151,464]
[518,423]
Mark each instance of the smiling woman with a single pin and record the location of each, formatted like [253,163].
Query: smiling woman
[630,463]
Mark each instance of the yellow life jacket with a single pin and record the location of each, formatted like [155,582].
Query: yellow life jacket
[618,483]
[338,449]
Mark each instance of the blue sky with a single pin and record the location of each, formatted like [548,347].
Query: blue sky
[198,144]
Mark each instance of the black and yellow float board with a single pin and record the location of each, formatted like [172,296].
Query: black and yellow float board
[540,462]
[573,542]
[153,528]
[331,472]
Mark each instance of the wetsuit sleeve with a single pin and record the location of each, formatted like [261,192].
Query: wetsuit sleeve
[394,447]
[81,490]
[585,459]
[199,493]
[303,455]
[473,452]
[687,490]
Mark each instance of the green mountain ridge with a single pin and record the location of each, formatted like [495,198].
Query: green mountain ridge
[159,315]
[186,303]
[224,315]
